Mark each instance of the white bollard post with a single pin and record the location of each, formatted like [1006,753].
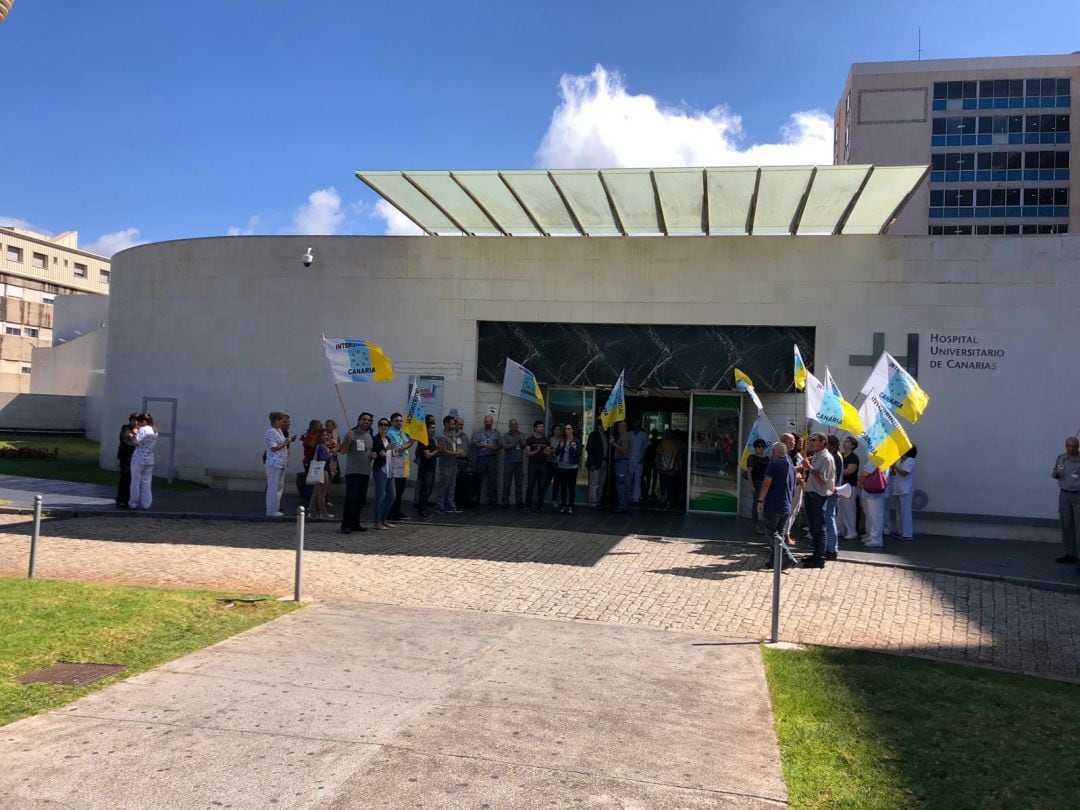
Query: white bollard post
[35,535]
[299,552]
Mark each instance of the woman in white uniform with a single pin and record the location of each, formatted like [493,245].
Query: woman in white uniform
[142,461]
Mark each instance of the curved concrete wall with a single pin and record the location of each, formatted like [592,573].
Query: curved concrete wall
[231,327]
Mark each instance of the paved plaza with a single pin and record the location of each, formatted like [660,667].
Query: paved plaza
[612,578]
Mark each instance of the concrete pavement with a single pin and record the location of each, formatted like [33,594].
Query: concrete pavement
[359,705]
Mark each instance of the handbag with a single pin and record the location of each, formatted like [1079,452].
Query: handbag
[875,483]
[316,472]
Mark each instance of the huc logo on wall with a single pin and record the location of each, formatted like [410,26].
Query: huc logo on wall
[951,351]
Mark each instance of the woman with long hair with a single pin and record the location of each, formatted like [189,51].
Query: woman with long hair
[568,459]
[142,462]
[552,479]
[382,458]
[317,506]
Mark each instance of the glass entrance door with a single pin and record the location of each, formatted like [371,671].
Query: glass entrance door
[715,428]
[577,407]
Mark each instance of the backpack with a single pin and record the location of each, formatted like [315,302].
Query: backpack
[875,483]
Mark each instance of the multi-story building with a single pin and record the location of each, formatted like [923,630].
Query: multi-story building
[34,269]
[995,131]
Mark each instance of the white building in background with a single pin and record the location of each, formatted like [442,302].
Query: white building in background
[34,270]
[212,334]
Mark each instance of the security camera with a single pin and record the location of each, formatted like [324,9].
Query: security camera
[308,257]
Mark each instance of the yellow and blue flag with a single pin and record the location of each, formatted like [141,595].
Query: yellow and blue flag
[896,388]
[800,371]
[746,385]
[884,438]
[357,361]
[826,406]
[615,408]
[518,381]
[415,425]
[761,429]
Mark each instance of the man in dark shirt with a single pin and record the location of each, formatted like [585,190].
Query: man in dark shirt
[774,502]
[123,455]
[847,514]
[536,457]
[756,463]
[427,460]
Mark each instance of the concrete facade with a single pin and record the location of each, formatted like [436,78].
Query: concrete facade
[886,111]
[230,327]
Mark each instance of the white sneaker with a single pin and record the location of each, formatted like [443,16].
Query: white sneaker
[873,545]
[275,514]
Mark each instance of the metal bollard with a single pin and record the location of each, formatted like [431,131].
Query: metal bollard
[35,535]
[299,552]
[778,561]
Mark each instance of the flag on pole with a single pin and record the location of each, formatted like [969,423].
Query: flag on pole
[518,381]
[800,371]
[883,435]
[761,429]
[825,406]
[415,426]
[746,385]
[615,408]
[896,388]
[357,361]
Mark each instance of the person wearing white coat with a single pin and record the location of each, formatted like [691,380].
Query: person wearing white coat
[142,461]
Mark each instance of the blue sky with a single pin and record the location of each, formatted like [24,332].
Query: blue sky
[142,120]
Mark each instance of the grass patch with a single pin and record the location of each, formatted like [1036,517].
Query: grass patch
[45,621]
[876,731]
[78,462]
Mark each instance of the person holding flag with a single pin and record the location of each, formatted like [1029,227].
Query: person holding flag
[400,443]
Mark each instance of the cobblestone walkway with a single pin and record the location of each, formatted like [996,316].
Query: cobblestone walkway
[636,581]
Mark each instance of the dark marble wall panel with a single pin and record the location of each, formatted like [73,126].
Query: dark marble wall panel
[669,356]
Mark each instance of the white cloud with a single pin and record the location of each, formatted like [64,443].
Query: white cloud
[397,224]
[16,222]
[321,214]
[110,243]
[599,124]
[252,226]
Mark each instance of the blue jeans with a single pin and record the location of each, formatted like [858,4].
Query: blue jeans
[831,540]
[622,482]
[534,492]
[384,496]
[775,530]
[757,495]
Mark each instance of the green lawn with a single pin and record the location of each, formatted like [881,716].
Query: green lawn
[45,621]
[875,731]
[78,462]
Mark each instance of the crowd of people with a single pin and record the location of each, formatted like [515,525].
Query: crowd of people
[537,468]
[829,487]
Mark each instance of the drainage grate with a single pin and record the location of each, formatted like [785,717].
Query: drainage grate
[66,674]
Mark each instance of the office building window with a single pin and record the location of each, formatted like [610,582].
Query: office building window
[47,299]
[997,94]
[103,276]
[31,332]
[25,369]
[38,261]
[999,203]
[80,270]
[14,254]
[13,330]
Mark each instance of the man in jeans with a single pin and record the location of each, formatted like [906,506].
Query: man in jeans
[426,461]
[513,443]
[356,449]
[536,458]
[451,451]
[486,445]
[820,472]
[774,503]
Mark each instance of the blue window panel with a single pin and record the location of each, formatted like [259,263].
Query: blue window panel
[1063,137]
[967,140]
[1061,174]
[1031,174]
[1046,211]
[937,140]
[951,213]
[1012,211]
[1012,174]
[966,213]
[984,103]
[936,213]
[998,212]
[982,176]
[952,177]
[1001,103]
[939,104]
[1046,137]
[967,177]
[985,140]
[1064,101]
[937,177]
[982,213]
[952,140]
[1049,101]
[1029,137]
[1016,137]
[1031,101]
[1016,102]
[1030,212]
[1046,174]
[1061,210]
[970,104]
[998,174]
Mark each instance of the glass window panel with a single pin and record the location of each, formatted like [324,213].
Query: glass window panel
[1031,160]
[941,90]
[1001,88]
[937,198]
[956,90]
[986,124]
[1061,160]
[1031,196]
[1016,88]
[1064,87]
[997,196]
[982,197]
[1062,123]
[1048,123]
[1013,160]
[986,89]
[714,477]
[1016,123]
[1046,160]
[984,161]
[1012,196]
[1033,123]
[970,89]
[1046,196]
[1061,196]
[965,198]
[967,125]
[938,127]
[952,161]
[937,162]
[1034,87]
